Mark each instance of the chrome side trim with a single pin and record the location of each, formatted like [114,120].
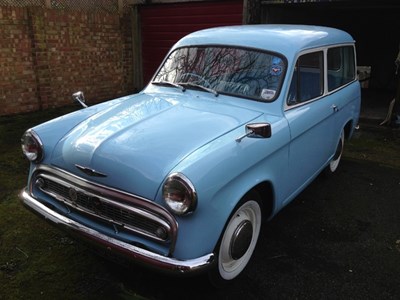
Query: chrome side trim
[134,253]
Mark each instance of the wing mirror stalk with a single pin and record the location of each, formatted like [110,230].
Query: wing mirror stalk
[256,130]
[80,98]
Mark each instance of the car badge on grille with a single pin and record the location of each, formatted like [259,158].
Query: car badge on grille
[90,172]
[73,195]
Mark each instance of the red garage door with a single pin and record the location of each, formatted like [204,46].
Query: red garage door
[164,24]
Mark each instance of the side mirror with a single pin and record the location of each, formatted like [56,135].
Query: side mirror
[80,98]
[256,130]
[259,130]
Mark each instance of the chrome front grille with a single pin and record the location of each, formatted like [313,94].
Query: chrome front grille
[124,212]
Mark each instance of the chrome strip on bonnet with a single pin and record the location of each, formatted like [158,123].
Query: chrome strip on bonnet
[139,255]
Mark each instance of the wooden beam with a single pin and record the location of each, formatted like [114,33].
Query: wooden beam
[120,7]
[136,49]
[135,2]
[251,11]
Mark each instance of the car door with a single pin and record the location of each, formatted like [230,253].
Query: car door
[342,84]
[310,116]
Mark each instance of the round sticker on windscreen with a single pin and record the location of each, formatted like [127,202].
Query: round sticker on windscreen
[275,70]
[267,94]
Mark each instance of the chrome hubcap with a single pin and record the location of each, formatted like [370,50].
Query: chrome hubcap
[241,239]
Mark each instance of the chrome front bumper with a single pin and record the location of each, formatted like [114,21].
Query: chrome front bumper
[114,246]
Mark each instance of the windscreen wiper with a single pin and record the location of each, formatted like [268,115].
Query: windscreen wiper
[198,86]
[167,83]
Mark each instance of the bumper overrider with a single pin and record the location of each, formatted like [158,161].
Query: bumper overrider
[115,247]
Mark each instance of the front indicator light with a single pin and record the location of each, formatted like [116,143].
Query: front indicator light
[32,146]
[179,194]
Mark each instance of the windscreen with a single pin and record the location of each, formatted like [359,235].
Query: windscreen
[234,71]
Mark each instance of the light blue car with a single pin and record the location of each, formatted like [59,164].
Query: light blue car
[235,123]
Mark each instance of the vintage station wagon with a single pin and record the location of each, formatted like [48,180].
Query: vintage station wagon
[236,122]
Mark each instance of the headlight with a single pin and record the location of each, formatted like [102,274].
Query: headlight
[31,145]
[180,194]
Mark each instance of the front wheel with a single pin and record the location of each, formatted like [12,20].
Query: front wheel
[238,241]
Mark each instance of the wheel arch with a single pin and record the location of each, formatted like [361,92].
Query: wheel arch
[266,191]
[348,129]
[262,194]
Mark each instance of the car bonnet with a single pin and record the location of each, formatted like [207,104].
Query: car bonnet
[136,143]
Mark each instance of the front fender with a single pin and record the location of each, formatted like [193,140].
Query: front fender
[223,172]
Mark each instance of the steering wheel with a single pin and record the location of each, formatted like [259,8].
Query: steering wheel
[200,79]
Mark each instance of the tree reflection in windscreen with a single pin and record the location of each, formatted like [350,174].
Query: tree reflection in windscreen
[235,71]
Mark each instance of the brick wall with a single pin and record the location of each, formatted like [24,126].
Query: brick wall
[17,75]
[47,54]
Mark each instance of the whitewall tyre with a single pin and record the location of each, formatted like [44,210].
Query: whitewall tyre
[239,240]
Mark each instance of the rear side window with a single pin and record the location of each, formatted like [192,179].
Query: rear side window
[308,78]
[341,66]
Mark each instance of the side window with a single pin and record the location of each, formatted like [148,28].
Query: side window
[341,66]
[308,78]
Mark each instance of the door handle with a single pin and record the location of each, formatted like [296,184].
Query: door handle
[335,108]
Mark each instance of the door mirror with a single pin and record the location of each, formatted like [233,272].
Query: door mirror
[258,130]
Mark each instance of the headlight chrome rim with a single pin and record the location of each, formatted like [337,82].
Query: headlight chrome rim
[180,194]
[32,146]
